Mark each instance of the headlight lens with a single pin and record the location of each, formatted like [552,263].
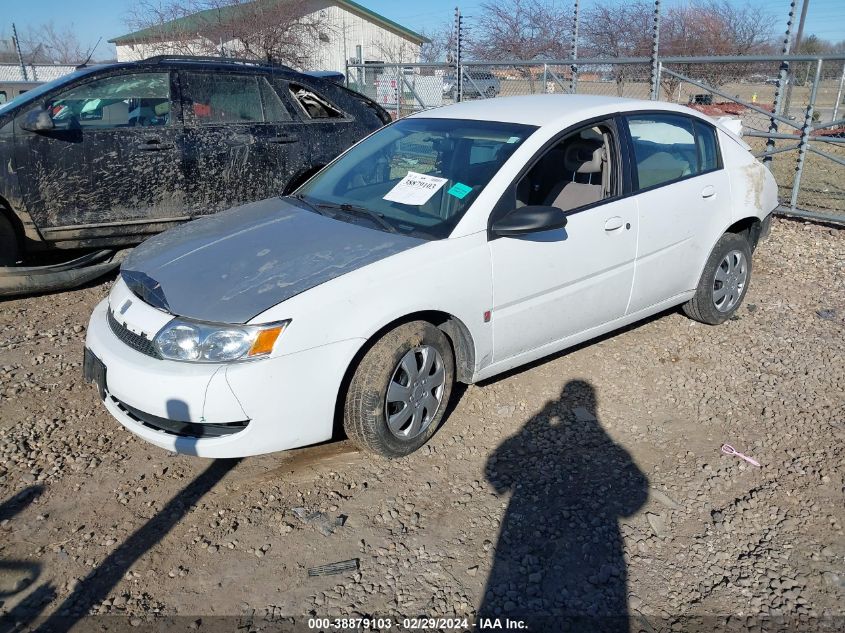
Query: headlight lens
[212,343]
[181,342]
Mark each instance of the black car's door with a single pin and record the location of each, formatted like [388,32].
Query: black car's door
[112,161]
[241,141]
[331,128]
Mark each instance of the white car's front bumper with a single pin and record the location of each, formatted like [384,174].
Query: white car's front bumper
[253,407]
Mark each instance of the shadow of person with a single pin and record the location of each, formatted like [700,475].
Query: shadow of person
[18,575]
[95,587]
[559,561]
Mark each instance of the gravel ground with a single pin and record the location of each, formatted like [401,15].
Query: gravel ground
[587,484]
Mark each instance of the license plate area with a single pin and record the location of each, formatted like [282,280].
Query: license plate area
[94,370]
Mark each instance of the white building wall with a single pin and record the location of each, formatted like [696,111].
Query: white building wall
[344,29]
[135,52]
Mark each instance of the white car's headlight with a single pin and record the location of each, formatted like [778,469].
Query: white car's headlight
[198,342]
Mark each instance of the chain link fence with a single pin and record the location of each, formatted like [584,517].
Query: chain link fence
[791,108]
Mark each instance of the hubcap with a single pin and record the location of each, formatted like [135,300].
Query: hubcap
[415,392]
[731,276]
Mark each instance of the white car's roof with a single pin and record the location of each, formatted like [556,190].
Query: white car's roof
[548,109]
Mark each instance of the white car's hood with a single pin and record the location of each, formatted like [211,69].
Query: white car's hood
[232,266]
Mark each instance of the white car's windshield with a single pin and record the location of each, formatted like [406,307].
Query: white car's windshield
[417,176]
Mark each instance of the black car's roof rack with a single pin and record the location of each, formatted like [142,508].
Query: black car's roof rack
[158,59]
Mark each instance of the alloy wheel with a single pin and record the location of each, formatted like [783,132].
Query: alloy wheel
[415,392]
[730,280]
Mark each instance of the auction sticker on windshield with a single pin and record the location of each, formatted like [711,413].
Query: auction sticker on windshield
[415,189]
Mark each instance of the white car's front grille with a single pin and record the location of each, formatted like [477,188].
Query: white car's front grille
[136,341]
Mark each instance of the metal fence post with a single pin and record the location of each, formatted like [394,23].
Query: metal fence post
[783,76]
[545,78]
[839,94]
[655,88]
[573,79]
[805,136]
[460,90]
[399,91]
[459,71]
[798,34]
[655,47]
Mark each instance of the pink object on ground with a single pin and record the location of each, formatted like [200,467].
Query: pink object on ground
[727,449]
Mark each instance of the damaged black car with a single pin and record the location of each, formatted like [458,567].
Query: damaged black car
[108,155]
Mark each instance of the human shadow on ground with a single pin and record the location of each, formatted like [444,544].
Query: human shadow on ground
[19,501]
[17,575]
[559,561]
[97,585]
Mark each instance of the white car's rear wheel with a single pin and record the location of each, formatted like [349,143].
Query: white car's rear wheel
[723,283]
[400,390]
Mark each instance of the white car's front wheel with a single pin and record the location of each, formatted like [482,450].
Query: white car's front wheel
[400,389]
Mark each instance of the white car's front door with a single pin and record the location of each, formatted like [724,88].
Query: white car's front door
[551,286]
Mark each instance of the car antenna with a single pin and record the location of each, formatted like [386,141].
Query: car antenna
[88,59]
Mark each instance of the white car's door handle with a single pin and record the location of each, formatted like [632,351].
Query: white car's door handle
[708,192]
[613,223]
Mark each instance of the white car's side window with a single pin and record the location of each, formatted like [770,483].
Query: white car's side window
[670,147]
[574,173]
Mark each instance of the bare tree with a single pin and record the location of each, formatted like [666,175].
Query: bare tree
[286,32]
[51,44]
[716,27]
[440,46]
[703,27]
[403,52]
[527,30]
[521,29]
[57,44]
[622,30]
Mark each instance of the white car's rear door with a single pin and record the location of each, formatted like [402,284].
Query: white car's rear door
[683,204]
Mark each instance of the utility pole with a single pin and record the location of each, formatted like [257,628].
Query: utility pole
[797,49]
[18,49]
[459,80]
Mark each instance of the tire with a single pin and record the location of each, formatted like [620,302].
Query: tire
[490,93]
[368,405]
[9,251]
[723,283]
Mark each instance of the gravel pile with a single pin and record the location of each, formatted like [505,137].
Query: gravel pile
[590,484]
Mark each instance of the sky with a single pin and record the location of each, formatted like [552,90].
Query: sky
[107,18]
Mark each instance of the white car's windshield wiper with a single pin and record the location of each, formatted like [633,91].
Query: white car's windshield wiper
[310,205]
[376,217]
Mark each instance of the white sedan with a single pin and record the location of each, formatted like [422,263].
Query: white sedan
[452,245]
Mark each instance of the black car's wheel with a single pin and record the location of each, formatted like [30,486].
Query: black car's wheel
[400,389]
[9,251]
[723,283]
[490,92]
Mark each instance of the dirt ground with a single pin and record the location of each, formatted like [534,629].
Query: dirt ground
[587,485]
